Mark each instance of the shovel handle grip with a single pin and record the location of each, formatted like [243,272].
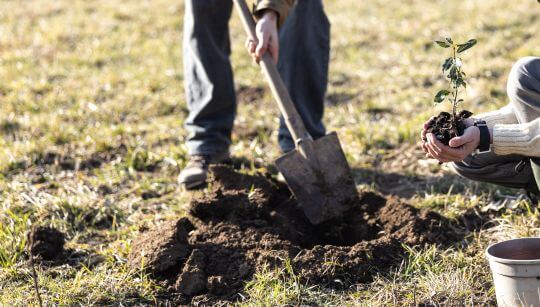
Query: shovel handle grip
[279,90]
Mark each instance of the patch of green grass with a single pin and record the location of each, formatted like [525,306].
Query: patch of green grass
[13,226]
[108,284]
[432,276]
[281,287]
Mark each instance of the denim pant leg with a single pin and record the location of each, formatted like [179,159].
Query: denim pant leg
[208,76]
[303,64]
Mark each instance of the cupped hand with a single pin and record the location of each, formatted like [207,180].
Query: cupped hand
[267,38]
[458,148]
[424,138]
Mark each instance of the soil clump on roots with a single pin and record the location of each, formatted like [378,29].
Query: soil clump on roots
[446,127]
[245,223]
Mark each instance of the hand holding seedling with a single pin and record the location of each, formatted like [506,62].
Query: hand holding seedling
[267,37]
[458,148]
[452,136]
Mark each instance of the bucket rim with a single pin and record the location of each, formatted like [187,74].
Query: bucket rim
[511,261]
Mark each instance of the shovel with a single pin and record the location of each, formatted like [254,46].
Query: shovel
[317,171]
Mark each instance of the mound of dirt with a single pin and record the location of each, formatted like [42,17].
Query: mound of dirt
[46,243]
[247,222]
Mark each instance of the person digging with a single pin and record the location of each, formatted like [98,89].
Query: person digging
[208,77]
[502,146]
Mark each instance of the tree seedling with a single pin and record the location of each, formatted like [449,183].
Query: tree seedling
[449,125]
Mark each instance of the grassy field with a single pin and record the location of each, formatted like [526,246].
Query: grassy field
[92,138]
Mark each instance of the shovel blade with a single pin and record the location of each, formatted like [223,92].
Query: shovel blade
[329,190]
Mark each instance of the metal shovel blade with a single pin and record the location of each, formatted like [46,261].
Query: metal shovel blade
[327,191]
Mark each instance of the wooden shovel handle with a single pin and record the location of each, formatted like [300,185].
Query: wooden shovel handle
[286,106]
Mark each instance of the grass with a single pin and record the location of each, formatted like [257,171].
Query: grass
[85,81]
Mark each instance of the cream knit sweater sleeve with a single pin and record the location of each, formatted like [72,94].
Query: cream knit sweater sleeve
[511,137]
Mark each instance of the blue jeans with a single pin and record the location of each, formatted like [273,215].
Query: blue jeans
[208,76]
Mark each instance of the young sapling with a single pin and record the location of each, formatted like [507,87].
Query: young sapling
[449,125]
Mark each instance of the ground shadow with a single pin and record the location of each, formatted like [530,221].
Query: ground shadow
[406,186]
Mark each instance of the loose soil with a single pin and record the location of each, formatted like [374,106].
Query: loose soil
[245,223]
[444,127]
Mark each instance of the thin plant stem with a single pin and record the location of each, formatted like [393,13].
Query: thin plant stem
[34,275]
[455,85]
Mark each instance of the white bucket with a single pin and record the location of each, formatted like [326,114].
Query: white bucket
[515,265]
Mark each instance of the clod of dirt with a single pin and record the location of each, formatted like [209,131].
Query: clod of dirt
[49,157]
[445,127]
[150,194]
[68,163]
[217,285]
[247,222]
[192,280]
[104,190]
[46,243]
[162,251]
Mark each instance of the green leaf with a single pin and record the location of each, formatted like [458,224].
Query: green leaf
[449,40]
[453,74]
[465,114]
[468,45]
[447,64]
[441,96]
[460,82]
[443,44]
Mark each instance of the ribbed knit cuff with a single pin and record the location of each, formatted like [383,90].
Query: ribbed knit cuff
[512,139]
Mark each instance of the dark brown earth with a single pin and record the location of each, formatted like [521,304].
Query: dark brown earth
[47,246]
[246,222]
[46,243]
[444,127]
